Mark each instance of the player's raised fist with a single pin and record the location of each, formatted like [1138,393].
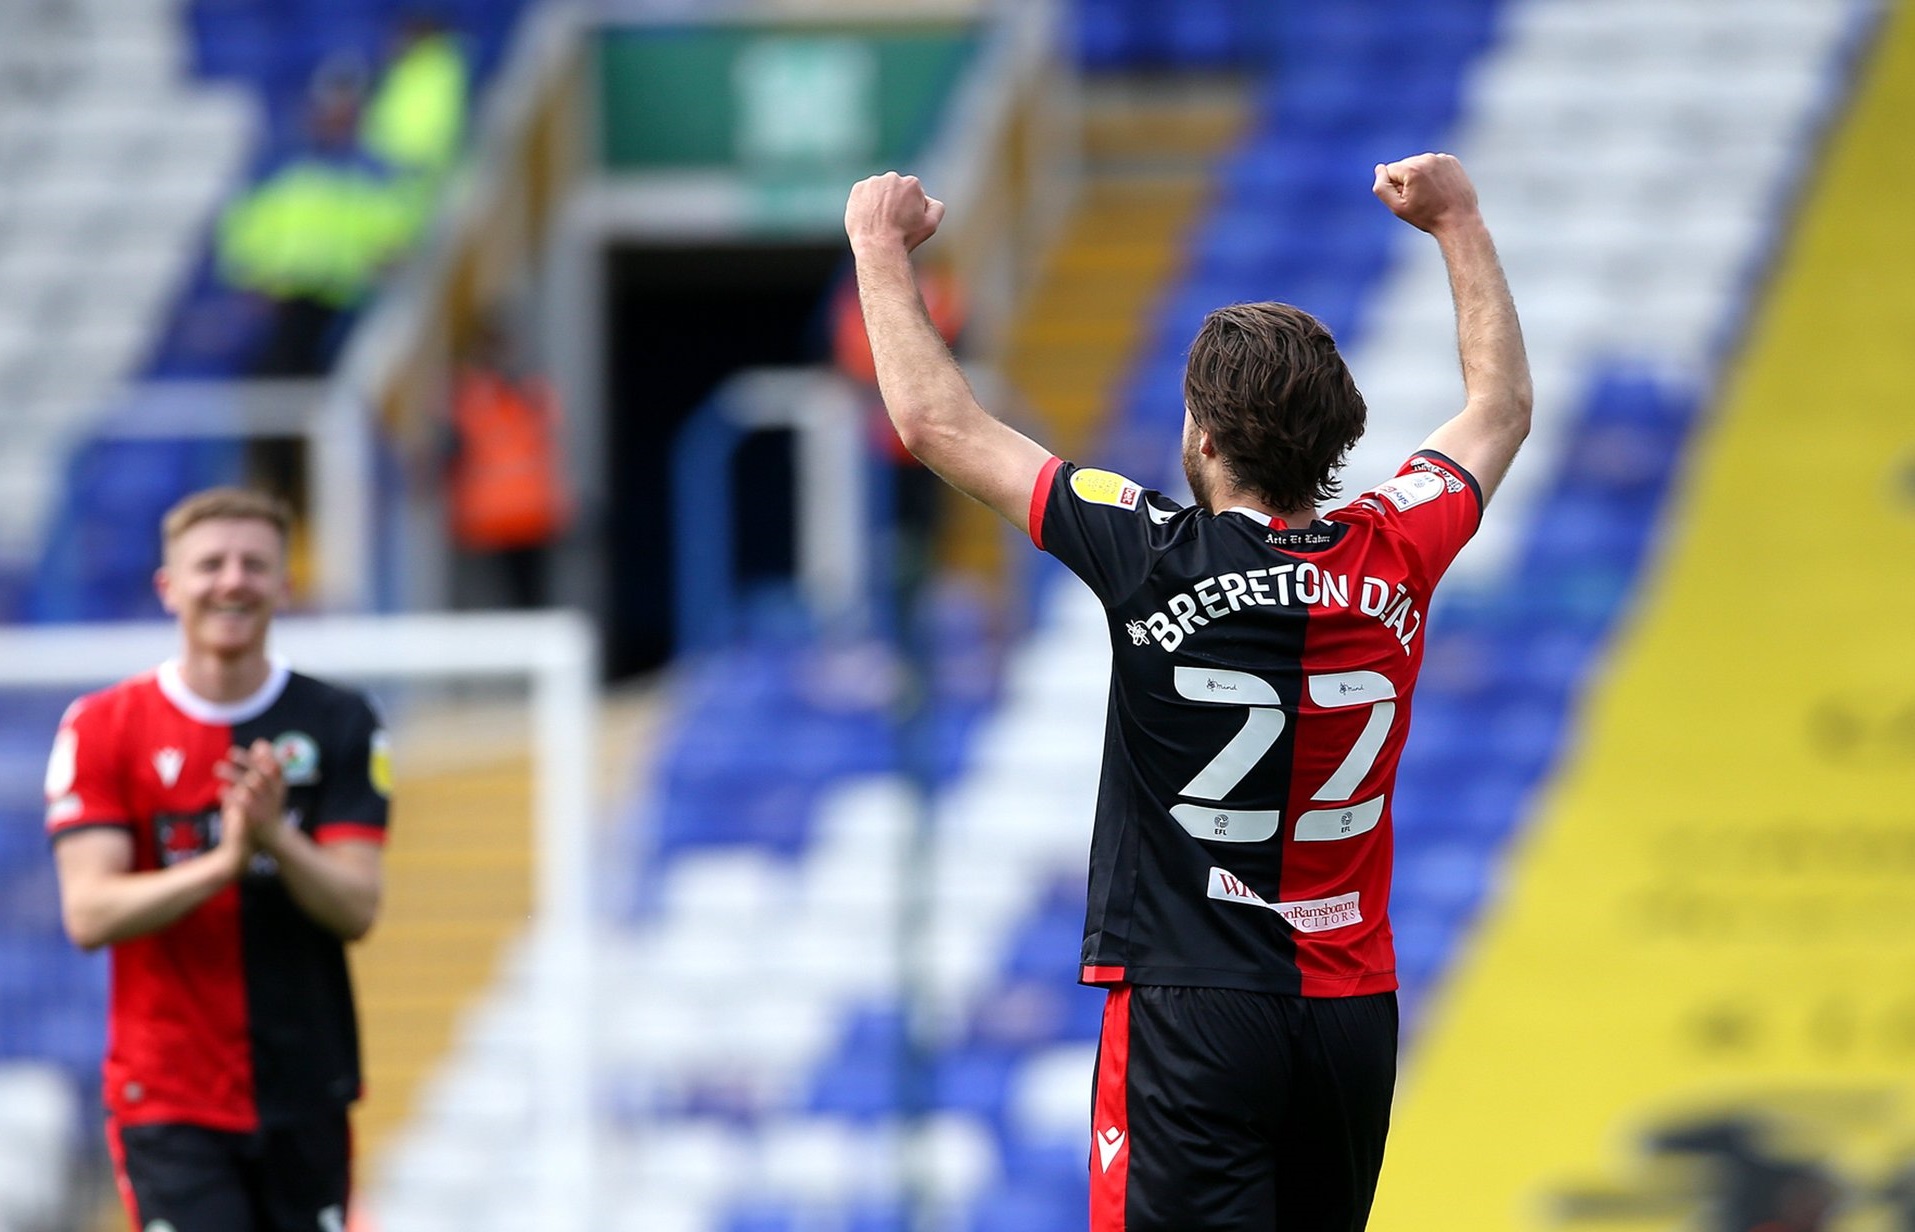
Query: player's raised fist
[1428,191]
[891,208]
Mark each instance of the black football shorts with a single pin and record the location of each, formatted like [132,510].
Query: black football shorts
[1218,1109]
[186,1178]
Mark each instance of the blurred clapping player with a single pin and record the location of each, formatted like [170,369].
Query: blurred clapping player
[218,823]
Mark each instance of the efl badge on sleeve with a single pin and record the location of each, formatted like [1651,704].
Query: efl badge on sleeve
[1097,487]
[379,768]
[1406,492]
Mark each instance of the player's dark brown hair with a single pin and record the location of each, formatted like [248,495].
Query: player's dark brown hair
[223,503]
[1267,383]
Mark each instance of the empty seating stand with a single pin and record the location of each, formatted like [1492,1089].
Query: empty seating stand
[786,881]
[113,162]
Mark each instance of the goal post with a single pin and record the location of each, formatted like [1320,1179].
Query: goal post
[556,655]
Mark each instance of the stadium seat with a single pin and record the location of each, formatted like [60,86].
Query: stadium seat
[40,1120]
[763,1217]
[878,1216]
[1033,1208]
[972,1080]
[857,1086]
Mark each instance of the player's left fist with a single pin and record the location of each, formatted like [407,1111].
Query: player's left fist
[1428,191]
[891,208]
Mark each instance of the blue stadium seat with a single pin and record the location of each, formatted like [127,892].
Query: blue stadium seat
[1033,1208]
[1034,1010]
[31,910]
[1048,945]
[868,1075]
[878,1216]
[1444,880]
[1202,33]
[765,1217]
[70,1033]
[1424,938]
[1486,806]
[738,809]
[973,1079]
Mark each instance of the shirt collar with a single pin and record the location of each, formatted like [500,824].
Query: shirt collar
[173,684]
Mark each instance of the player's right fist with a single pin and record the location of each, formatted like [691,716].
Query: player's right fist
[1428,191]
[891,208]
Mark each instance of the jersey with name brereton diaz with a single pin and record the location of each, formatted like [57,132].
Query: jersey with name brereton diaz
[1259,699]
[240,1013]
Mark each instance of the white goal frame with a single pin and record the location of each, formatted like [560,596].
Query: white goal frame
[557,653]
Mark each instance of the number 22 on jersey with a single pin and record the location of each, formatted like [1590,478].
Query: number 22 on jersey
[1205,811]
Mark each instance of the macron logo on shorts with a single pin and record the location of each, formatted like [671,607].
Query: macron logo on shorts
[1109,1143]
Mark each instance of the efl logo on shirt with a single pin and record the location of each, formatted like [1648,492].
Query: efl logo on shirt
[1095,487]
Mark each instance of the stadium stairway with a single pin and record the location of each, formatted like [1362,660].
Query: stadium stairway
[1152,144]
[458,889]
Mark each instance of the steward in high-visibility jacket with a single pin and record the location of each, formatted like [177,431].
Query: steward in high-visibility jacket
[321,227]
[415,120]
[507,486]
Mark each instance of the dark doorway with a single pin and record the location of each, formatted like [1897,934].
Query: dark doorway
[681,319]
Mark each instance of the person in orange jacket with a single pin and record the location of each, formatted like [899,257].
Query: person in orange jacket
[507,495]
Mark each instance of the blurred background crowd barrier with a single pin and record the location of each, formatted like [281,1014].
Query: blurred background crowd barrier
[761,914]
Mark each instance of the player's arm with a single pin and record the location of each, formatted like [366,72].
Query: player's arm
[1433,193]
[337,884]
[103,902]
[930,403]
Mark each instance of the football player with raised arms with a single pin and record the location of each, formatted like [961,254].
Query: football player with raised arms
[218,823]
[1264,655]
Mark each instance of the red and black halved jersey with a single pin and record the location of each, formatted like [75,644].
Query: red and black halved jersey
[240,1013]
[1259,698]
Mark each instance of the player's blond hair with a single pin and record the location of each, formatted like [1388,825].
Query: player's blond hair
[226,504]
